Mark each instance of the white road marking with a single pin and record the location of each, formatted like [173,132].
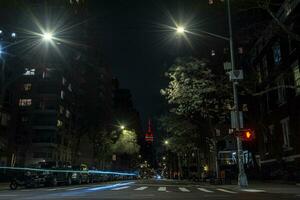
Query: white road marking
[162,189]
[252,190]
[78,188]
[182,189]
[227,191]
[120,188]
[52,189]
[8,195]
[205,190]
[141,188]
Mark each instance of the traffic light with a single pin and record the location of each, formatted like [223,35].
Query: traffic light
[247,135]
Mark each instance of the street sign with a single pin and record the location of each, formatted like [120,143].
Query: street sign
[234,121]
[227,66]
[236,75]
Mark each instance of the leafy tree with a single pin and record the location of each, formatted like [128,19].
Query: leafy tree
[126,143]
[196,92]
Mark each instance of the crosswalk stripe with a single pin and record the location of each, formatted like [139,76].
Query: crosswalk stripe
[121,188]
[78,188]
[162,189]
[227,191]
[182,189]
[252,190]
[52,189]
[205,190]
[141,188]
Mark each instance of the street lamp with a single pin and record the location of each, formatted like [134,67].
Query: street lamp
[242,178]
[180,30]
[122,127]
[166,142]
[47,36]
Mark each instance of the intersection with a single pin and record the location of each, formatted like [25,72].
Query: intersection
[148,189]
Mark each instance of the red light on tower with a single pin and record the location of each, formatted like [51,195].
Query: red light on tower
[149,134]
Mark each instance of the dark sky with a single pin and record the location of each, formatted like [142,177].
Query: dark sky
[140,50]
[138,47]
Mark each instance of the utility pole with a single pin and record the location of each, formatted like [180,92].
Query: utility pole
[242,178]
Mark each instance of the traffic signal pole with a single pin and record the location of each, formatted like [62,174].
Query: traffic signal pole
[242,178]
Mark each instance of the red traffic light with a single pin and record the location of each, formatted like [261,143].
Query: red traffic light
[246,135]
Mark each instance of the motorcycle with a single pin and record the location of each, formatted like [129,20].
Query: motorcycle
[28,180]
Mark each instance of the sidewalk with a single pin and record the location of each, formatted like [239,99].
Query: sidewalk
[4,186]
[267,187]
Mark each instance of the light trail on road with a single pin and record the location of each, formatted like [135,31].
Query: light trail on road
[69,171]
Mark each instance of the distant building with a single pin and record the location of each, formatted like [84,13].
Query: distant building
[44,116]
[274,65]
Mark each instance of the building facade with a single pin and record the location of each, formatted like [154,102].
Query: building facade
[274,65]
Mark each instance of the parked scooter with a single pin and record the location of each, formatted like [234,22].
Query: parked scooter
[28,180]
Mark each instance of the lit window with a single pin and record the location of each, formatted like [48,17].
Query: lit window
[29,72]
[286,132]
[277,53]
[25,102]
[62,94]
[59,123]
[64,81]
[27,86]
[70,87]
[212,53]
[296,71]
[61,109]
[68,114]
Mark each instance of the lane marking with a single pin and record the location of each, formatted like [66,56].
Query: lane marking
[141,188]
[182,189]
[78,188]
[227,191]
[205,190]
[8,195]
[120,188]
[52,189]
[252,190]
[162,189]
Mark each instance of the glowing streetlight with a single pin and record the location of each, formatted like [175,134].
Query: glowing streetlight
[47,36]
[166,142]
[122,127]
[13,35]
[180,30]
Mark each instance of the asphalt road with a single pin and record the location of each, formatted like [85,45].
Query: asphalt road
[139,190]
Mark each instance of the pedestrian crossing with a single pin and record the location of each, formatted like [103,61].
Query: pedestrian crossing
[177,189]
[152,188]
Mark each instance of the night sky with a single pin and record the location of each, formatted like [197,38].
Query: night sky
[140,49]
[137,45]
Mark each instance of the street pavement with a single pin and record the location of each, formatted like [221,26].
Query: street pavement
[150,189]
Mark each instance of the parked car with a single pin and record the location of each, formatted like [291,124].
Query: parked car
[62,173]
[81,175]
[28,180]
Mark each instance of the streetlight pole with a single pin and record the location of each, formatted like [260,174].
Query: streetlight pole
[242,178]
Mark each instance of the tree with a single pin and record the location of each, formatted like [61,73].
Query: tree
[199,100]
[196,92]
[126,143]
